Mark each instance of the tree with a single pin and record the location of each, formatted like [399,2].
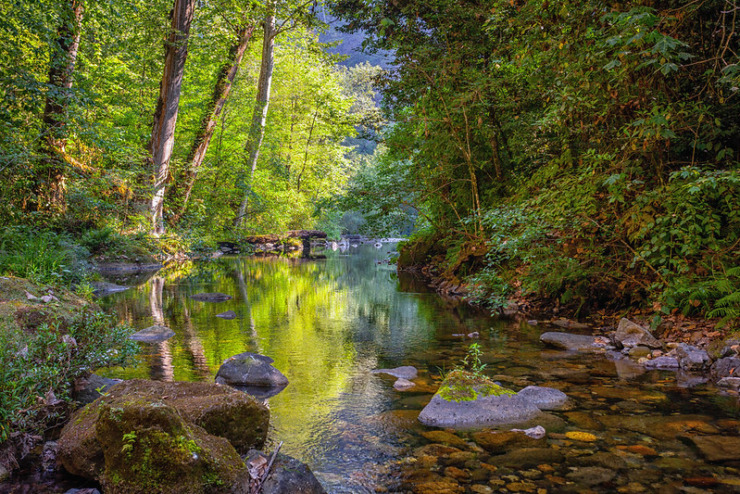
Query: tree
[261,106]
[165,115]
[221,90]
[50,175]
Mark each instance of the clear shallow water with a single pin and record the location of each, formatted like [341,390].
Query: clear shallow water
[327,323]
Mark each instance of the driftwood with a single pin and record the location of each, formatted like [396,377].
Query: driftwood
[266,472]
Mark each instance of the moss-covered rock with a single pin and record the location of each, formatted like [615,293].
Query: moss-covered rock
[219,410]
[465,386]
[149,447]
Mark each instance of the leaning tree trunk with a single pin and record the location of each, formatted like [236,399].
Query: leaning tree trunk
[221,91]
[261,106]
[165,116]
[49,181]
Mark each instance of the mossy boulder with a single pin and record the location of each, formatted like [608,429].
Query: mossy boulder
[149,447]
[219,410]
[467,400]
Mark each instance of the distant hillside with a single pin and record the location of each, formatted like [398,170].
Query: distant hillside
[351,44]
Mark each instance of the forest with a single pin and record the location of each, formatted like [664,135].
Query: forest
[582,156]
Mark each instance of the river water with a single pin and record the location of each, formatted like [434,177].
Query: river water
[328,322]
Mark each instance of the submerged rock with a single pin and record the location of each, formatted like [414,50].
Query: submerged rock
[574,342]
[502,441]
[591,476]
[544,398]
[229,314]
[402,384]
[287,475]
[217,410]
[211,297]
[405,372]
[153,334]
[250,369]
[465,400]
[630,335]
[717,448]
[663,363]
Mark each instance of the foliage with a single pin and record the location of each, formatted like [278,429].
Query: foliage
[38,369]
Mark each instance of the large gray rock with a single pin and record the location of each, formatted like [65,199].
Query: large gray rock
[630,335]
[250,369]
[691,358]
[481,412]
[544,398]
[153,334]
[726,367]
[287,475]
[573,342]
[405,372]
[211,297]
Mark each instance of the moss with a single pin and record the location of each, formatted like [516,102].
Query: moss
[460,385]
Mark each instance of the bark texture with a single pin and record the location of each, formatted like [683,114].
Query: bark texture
[49,182]
[221,90]
[261,107]
[165,116]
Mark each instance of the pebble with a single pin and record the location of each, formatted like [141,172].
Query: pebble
[581,436]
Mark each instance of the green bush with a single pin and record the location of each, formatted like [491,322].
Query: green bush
[38,369]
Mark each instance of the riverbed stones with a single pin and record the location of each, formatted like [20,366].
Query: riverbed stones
[250,369]
[573,342]
[527,458]
[153,334]
[630,335]
[501,441]
[591,476]
[229,314]
[726,367]
[218,410]
[663,363]
[407,372]
[691,358]
[544,398]
[402,384]
[717,448]
[211,297]
[287,475]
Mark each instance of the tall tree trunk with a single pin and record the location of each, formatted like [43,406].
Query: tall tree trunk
[221,91]
[261,106]
[165,116]
[49,184]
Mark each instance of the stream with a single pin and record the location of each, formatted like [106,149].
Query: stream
[329,322]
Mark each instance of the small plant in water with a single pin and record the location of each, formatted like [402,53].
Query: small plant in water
[472,362]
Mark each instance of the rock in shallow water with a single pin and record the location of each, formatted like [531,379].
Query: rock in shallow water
[630,335]
[405,372]
[691,358]
[574,342]
[717,448]
[481,412]
[211,297]
[229,314]
[403,384]
[663,363]
[287,475]
[153,334]
[544,398]
[250,369]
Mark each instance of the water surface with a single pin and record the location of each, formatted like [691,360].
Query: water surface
[328,322]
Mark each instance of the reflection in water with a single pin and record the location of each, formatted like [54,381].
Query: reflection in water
[328,323]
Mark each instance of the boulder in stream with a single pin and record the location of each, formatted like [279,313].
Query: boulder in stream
[250,369]
[287,475]
[691,358]
[218,410]
[574,342]
[466,400]
[211,297]
[404,372]
[726,367]
[153,334]
[544,398]
[629,334]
